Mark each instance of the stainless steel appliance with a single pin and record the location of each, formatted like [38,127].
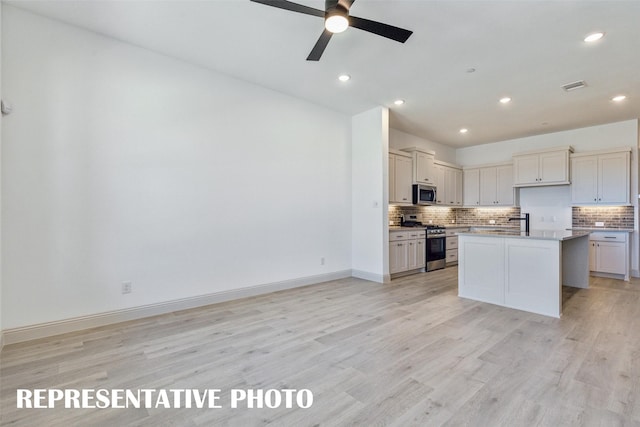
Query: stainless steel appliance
[424,194]
[436,247]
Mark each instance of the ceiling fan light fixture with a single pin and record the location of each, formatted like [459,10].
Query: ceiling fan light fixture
[336,21]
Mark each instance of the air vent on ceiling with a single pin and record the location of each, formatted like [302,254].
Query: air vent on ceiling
[573,86]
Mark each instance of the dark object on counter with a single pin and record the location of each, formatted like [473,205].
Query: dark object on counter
[526,222]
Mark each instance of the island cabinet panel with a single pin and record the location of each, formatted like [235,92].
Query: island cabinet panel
[481,269]
[525,271]
[532,276]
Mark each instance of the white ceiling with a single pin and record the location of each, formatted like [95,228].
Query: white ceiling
[522,49]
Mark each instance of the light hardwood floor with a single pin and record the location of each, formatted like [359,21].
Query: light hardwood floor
[410,353]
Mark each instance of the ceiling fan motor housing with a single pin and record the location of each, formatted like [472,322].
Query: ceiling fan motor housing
[336,7]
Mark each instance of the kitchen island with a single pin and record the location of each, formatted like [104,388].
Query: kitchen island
[521,270]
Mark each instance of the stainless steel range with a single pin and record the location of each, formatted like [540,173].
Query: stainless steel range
[436,247]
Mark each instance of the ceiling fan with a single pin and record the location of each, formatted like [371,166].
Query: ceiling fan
[336,20]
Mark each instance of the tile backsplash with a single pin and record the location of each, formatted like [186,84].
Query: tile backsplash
[612,216]
[460,216]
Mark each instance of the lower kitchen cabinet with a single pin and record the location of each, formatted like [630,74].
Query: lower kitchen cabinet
[407,251]
[609,254]
[452,245]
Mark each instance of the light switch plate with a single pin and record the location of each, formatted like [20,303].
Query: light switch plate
[599,224]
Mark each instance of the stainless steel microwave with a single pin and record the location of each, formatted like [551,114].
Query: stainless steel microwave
[424,194]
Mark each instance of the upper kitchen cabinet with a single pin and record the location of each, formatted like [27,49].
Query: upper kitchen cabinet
[424,171]
[400,174]
[471,187]
[448,184]
[549,167]
[601,178]
[489,186]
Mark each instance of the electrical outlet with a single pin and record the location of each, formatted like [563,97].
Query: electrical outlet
[492,221]
[127,287]
[599,224]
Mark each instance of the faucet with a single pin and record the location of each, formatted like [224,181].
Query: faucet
[526,222]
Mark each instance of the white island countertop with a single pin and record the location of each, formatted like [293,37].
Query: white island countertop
[560,235]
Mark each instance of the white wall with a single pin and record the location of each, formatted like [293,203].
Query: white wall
[548,202]
[123,165]
[1,119]
[399,139]
[370,183]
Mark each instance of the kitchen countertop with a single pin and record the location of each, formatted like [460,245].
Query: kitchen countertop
[620,230]
[559,235]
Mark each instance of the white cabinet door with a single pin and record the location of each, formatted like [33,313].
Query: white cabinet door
[421,254]
[392,178]
[450,185]
[584,180]
[398,256]
[425,171]
[458,186]
[592,256]
[611,257]
[613,178]
[554,167]
[412,254]
[441,185]
[403,179]
[488,186]
[526,169]
[471,187]
[504,185]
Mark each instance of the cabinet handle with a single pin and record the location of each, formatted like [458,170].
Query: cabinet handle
[599,199]
[404,198]
[595,200]
[609,237]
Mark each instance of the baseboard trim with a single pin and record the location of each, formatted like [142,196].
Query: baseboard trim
[367,275]
[44,330]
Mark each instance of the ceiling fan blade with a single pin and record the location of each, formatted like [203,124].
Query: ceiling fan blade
[389,31]
[294,7]
[321,44]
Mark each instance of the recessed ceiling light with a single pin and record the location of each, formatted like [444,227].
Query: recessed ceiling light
[399,101]
[593,37]
[464,130]
[505,100]
[344,77]
[619,98]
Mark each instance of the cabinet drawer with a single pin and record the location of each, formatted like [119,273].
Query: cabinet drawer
[399,235]
[452,242]
[396,236]
[608,237]
[452,255]
[453,231]
[417,234]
